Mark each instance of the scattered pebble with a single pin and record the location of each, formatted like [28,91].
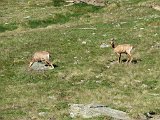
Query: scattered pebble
[42,113]
[87,51]
[155,34]
[123,22]
[139,35]
[104,35]
[76,62]
[103,45]
[155,94]
[118,25]
[84,42]
[156,7]
[108,66]
[144,86]
[82,81]
[100,75]
[52,97]
[98,81]
[27,17]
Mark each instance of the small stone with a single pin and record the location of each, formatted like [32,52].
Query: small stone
[52,97]
[84,42]
[103,45]
[27,17]
[98,81]
[104,35]
[108,66]
[42,113]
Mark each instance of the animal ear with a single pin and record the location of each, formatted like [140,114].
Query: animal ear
[112,39]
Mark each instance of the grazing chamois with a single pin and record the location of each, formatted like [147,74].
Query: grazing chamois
[41,56]
[122,49]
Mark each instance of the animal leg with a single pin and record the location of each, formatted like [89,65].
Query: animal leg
[49,63]
[119,58]
[31,63]
[129,58]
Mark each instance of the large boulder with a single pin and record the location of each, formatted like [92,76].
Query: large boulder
[95,110]
[92,2]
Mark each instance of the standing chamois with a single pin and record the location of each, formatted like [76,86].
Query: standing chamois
[41,56]
[122,49]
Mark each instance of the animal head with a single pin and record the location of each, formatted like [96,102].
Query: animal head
[112,42]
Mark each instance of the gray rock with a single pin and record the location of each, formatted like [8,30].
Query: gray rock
[42,113]
[103,45]
[92,2]
[40,66]
[95,110]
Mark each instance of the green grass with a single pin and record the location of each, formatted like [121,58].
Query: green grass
[8,27]
[84,73]
[28,21]
[57,3]
[58,19]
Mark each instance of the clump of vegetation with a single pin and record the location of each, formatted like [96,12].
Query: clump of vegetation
[9,27]
[76,11]
[58,3]
[85,8]
[58,19]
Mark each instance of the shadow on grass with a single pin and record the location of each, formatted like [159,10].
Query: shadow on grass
[54,65]
[58,19]
[134,61]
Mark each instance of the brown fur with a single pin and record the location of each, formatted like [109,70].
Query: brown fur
[42,56]
[122,49]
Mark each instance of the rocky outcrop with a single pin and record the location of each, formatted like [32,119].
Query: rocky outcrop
[95,110]
[92,2]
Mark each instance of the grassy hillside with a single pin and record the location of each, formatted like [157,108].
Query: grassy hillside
[85,72]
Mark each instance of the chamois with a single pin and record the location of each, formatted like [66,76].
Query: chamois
[41,56]
[122,49]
